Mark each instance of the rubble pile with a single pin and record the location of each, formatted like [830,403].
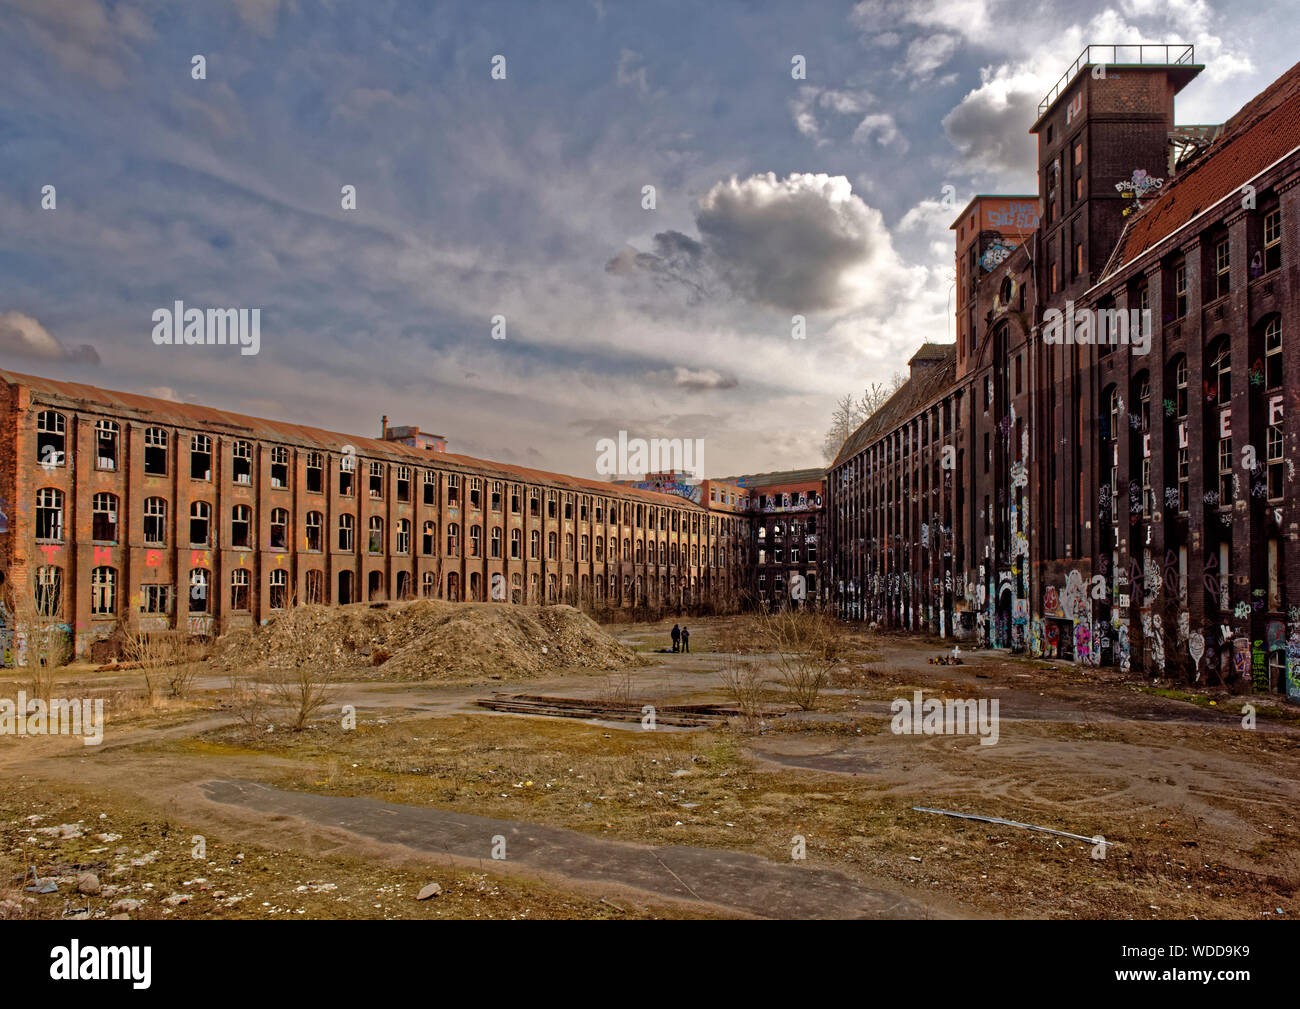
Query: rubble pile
[427,639]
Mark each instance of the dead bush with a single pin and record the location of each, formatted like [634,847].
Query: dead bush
[302,691]
[250,701]
[169,660]
[745,686]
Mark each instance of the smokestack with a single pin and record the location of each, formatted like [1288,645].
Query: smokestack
[383,427]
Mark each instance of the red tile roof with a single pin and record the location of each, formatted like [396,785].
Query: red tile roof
[75,395]
[1263,131]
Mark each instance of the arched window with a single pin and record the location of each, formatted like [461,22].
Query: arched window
[200,524]
[429,539]
[346,529]
[103,591]
[403,538]
[49,591]
[516,544]
[279,584]
[51,439]
[49,514]
[199,581]
[475,541]
[239,589]
[241,526]
[155,521]
[453,547]
[496,540]
[376,543]
[279,528]
[534,544]
[314,531]
[104,518]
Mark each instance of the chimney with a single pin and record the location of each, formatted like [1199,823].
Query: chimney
[383,427]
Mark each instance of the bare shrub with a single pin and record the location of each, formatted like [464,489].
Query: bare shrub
[250,701]
[169,660]
[745,686]
[302,690]
[618,688]
[41,641]
[805,645]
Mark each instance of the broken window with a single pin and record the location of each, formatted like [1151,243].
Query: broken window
[496,496]
[200,457]
[103,591]
[376,544]
[431,488]
[514,499]
[199,590]
[568,506]
[155,451]
[404,484]
[241,525]
[238,589]
[377,480]
[241,462]
[516,544]
[279,583]
[534,545]
[453,488]
[347,473]
[200,523]
[535,503]
[314,531]
[51,439]
[104,518]
[429,539]
[155,599]
[315,473]
[279,528]
[475,541]
[496,542]
[280,466]
[49,514]
[551,505]
[403,537]
[476,493]
[155,521]
[106,432]
[315,587]
[1272,239]
[345,533]
[453,539]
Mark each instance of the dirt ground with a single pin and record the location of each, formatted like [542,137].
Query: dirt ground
[526,816]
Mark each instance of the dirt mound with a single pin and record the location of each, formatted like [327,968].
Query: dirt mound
[427,639]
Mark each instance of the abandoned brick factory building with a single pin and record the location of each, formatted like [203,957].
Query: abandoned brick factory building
[1101,467]
[164,514]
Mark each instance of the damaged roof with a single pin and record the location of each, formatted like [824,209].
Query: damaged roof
[212,420]
[911,396]
[1262,132]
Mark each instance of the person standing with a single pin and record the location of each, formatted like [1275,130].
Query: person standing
[686,640]
[677,637]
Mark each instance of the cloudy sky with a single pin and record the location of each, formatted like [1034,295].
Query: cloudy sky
[523,197]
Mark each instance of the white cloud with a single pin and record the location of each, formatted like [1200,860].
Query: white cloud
[23,336]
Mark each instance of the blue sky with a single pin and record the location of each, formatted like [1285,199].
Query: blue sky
[522,197]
